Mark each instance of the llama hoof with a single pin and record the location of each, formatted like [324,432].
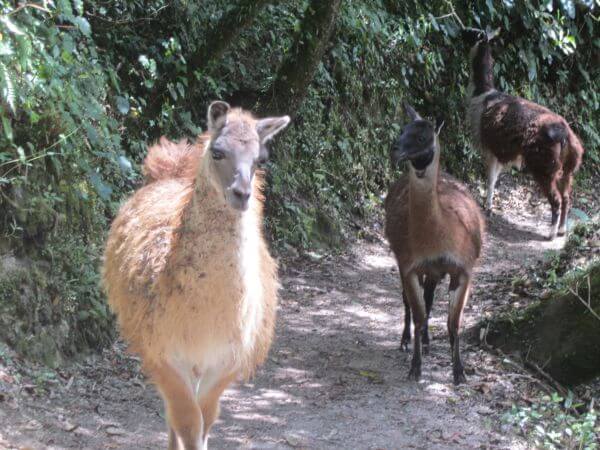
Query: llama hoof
[414,374]
[425,348]
[551,236]
[562,231]
[488,212]
[404,345]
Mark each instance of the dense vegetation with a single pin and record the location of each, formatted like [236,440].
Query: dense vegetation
[84,85]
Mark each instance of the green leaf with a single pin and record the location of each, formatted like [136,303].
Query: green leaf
[83,25]
[8,132]
[103,190]
[122,105]
[11,26]
[582,216]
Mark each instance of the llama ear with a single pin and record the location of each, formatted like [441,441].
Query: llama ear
[216,111]
[269,127]
[439,124]
[412,114]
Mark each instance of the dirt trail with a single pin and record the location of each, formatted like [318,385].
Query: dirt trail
[335,377]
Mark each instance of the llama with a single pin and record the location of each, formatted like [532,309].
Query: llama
[511,131]
[434,228]
[188,272]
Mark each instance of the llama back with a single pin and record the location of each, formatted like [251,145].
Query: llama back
[167,159]
[457,197]
[575,151]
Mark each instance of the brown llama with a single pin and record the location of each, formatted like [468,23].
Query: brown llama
[511,131]
[188,272]
[434,228]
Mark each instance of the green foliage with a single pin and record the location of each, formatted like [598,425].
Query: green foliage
[553,422]
[85,85]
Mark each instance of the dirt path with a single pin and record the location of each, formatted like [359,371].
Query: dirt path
[335,377]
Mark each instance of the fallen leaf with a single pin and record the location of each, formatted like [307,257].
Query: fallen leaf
[374,377]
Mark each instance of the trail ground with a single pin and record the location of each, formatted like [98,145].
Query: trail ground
[335,377]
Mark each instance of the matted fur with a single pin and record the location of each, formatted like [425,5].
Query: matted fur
[510,130]
[435,228]
[169,266]
[167,159]
[188,272]
[453,229]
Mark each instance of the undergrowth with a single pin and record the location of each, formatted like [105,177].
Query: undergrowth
[554,422]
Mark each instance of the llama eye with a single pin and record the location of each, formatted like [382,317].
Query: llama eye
[421,139]
[217,154]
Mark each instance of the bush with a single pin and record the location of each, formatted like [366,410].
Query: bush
[86,84]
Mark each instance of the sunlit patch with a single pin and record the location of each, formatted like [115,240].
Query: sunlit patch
[379,261]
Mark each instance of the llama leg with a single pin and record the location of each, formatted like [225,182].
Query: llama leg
[554,198]
[406,333]
[173,442]
[565,188]
[209,404]
[183,413]
[455,310]
[429,290]
[417,307]
[493,171]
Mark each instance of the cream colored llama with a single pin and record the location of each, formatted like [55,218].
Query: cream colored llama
[188,272]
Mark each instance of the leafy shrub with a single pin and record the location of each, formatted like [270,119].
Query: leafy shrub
[85,84]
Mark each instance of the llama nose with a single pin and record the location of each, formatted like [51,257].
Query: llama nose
[241,195]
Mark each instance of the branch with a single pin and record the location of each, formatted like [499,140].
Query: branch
[27,5]
[218,39]
[587,304]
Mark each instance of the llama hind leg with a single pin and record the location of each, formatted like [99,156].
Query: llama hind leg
[554,198]
[183,413]
[406,333]
[428,293]
[494,167]
[565,188]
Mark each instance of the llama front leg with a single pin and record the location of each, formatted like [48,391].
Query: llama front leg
[494,167]
[417,307]
[455,310]
[209,404]
[183,413]
[173,441]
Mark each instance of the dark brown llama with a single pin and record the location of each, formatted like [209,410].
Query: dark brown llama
[434,228]
[511,131]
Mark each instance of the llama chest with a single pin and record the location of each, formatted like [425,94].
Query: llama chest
[214,288]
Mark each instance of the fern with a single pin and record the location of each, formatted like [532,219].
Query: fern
[7,87]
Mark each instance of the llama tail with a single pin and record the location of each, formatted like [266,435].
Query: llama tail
[576,150]
[167,159]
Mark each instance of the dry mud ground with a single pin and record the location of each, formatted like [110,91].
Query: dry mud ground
[335,377]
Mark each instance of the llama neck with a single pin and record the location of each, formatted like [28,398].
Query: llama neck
[423,194]
[482,69]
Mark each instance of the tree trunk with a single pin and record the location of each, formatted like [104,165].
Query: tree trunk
[297,70]
[216,43]
[560,335]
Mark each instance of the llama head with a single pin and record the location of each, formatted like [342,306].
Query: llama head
[237,147]
[417,143]
[478,40]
